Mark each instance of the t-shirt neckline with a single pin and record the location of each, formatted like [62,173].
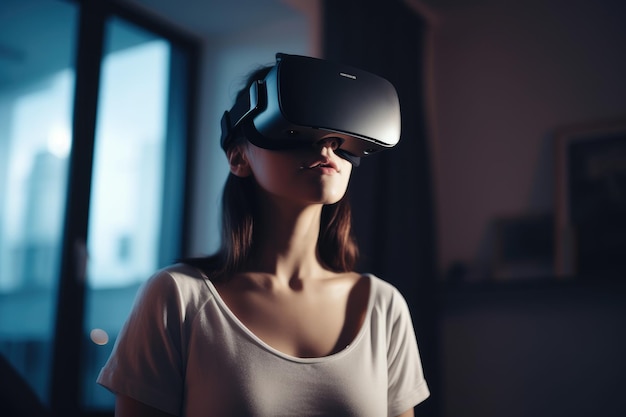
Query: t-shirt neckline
[262,344]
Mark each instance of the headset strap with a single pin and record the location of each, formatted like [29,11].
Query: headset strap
[245,107]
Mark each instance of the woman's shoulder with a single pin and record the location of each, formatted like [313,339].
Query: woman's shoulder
[178,274]
[179,283]
[381,286]
[385,294]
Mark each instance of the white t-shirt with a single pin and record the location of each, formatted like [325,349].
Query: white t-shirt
[183,351]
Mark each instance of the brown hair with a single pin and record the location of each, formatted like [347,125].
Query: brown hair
[336,247]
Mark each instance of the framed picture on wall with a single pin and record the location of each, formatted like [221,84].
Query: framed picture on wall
[590,206]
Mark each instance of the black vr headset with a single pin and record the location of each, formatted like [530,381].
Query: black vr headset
[304,100]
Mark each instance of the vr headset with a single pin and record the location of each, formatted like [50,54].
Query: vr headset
[304,100]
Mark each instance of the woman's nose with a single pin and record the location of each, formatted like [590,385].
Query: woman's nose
[331,143]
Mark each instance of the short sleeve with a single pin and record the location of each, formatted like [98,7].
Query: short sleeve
[146,363]
[407,386]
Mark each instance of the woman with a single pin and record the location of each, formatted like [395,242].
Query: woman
[276,323]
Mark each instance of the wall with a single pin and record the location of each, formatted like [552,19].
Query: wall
[504,76]
[227,60]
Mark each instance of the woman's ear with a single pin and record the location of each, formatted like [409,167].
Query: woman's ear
[238,161]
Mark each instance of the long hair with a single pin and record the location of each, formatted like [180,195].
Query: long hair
[336,247]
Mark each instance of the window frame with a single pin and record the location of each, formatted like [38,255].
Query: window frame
[65,395]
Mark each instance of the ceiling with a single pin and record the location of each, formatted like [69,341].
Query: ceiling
[216,17]
[26,54]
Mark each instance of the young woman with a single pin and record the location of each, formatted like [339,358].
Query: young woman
[276,323]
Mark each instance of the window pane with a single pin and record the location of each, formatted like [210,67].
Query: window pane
[36,92]
[125,217]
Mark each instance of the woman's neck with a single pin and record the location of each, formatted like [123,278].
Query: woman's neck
[286,242]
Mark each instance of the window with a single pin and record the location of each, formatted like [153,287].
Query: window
[132,109]
[36,94]
[127,191]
